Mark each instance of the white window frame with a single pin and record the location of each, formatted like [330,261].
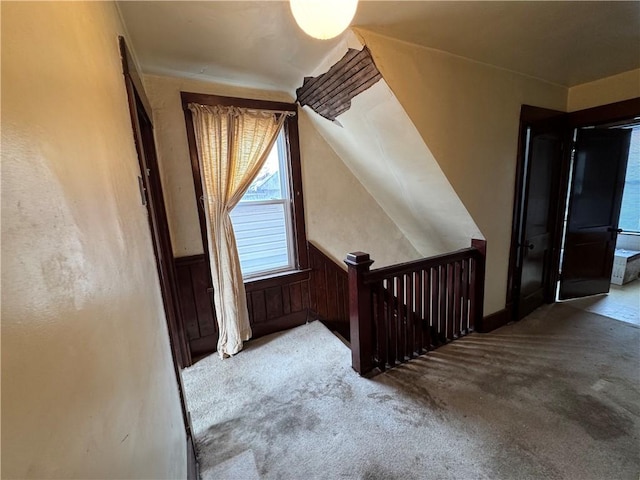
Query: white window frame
[286,202]
[635,138]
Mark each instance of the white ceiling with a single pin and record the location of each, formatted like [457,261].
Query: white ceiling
[258,44]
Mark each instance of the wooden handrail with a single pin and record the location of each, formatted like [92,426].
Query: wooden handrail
[403,310]
[407,267]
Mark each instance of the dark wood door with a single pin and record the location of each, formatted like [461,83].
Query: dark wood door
[544,150]
[598,172]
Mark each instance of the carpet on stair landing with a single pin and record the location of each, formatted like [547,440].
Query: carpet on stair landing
[555,395]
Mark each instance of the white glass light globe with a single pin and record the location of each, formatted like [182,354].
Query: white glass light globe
[323,19]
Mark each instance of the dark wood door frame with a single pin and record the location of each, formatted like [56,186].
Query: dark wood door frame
[152,197]
[616,113]
[529,116]
[150,178]
[620,112]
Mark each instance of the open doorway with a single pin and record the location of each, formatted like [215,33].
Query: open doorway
[568,194]
[622,301]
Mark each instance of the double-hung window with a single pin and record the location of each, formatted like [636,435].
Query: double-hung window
[630,210]
[268,222]
[262,220]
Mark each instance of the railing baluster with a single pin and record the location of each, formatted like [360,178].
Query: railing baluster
[419,318]
[426,302]
[411,316]
[402,320]
[465,296]
[402,311]
[442,320]
[457,321]
[472,293]
[435,305]
[391,324]
[375,323]
[382,327]
[450,307]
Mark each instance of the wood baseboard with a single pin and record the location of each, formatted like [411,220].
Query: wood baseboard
[284,322]
[494,320]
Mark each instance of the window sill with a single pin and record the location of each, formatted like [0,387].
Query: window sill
[275,279]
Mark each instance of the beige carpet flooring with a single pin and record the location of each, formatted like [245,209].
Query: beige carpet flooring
[554,396]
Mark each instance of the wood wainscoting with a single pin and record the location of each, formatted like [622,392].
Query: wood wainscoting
[278,303]
[196,305]
[275,303]
[329,288]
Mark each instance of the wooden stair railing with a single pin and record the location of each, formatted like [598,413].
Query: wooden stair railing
[402,311]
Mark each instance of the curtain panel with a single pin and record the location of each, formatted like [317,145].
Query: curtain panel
[233,144]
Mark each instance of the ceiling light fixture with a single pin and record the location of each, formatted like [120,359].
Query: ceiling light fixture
[323,19]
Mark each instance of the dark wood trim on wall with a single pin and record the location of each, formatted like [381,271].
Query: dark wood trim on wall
[196,303]
[132,75]
[209,99]
[293,141]
[496,320]
[529,115]
[197,179]
[193,470]
[274,304]
[275,307]
[329,287]
[624,111]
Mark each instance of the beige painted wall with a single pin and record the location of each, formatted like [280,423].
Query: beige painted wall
[88,387]
[468,114]
[383,149]
[173,151]
[604,91]
[341,216]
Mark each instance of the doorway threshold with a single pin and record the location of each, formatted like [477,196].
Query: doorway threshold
[621,303]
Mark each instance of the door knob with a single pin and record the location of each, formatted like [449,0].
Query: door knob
[617,230]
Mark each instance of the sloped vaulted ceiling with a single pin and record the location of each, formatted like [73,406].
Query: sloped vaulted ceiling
[257,43]
[450,64]
[378,142]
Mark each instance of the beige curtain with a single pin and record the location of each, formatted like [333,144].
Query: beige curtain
[233,144]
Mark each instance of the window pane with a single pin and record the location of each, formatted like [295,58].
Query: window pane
[630,211]
[261,236]
[267,185]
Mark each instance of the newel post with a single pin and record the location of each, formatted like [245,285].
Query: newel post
[360,312]
[477,294]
